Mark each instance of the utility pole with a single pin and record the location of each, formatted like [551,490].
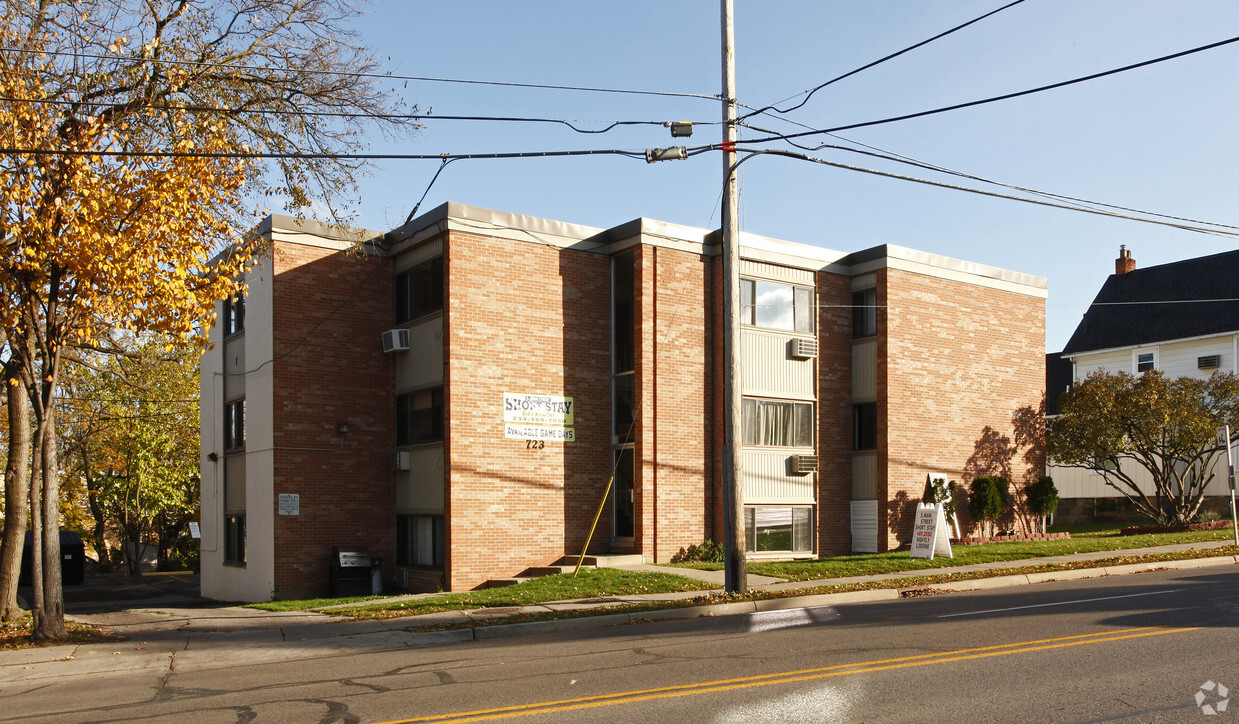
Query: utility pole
[735,567]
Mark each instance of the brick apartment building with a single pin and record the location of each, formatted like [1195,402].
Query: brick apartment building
[454,395]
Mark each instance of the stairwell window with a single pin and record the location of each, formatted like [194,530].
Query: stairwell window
[773,305]
[419,291]
[864,313]
[234,315]
[234,426]
[773,423]
[419,541]
[783,529]
[419,417]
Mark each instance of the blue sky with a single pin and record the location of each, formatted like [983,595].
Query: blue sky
[1161,138]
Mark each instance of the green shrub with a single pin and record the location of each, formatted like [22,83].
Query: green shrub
[987,499]
[704,552]
[1042,498]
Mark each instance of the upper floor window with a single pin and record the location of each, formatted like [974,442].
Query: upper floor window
[770,423]
[864,313]
[865,426]
[1145,361]
[234,425]
[774,305]
[419,417]
[234,314]
[419,291]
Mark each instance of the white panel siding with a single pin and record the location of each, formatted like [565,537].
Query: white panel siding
[1081,483]
[1117,361]
[750,268]
[425,252]
[766,478]
[864,476]
[1180,359]
[864,526]
[422,365]
[420,488]
[865,370]
[864,281]
[769,370]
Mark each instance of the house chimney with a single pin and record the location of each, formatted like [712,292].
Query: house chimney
[1124,263]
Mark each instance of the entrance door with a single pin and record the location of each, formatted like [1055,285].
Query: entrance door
[622,508]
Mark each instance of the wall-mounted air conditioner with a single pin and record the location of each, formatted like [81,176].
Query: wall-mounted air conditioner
[804,348]
[1209,362]
[401,460]
[395,340]
[804,464]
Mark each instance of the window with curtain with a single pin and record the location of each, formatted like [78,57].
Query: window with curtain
[771,423]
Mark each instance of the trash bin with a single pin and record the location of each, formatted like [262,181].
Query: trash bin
[350,571]
[72,558]
[376,576]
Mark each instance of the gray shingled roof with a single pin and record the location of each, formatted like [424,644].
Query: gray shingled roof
[1112,321]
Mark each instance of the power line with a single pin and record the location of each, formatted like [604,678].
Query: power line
[1211,228]
[898,158]
[809,93]
[339,114]
[354,74]
[334,156]
[1006,96]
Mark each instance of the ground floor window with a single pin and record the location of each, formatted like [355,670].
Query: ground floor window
[778,528]
[419,541]
[234,538]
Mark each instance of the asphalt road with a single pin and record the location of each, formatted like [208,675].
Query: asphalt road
[1133,648]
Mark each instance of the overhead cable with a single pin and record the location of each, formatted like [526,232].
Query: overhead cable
[1202,227]
[1006,96]
[337,73]
[809,93]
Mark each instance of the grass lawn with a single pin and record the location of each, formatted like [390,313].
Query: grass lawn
[589,583]
[1084,539]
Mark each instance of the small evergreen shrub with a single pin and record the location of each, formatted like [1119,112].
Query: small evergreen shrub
[704,552]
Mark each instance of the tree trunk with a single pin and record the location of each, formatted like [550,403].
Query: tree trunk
[49,624]
[16,502]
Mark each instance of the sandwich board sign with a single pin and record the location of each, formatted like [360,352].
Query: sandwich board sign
[929,533]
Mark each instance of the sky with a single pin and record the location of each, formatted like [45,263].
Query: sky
[1160,138]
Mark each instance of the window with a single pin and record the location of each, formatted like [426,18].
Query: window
[419,291]
[234,538]
[864,313]
[419,417]
[419,541]
[234,314]
[778,528]
[777,424]
[622,319]
[865,426]
[776,306]
[1145,361]
[234,426]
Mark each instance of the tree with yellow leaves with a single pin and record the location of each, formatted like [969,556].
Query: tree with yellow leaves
[126,163]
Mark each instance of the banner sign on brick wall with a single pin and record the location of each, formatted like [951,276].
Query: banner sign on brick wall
[534,432]
[526,409]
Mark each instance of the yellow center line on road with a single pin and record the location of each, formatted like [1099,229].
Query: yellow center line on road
[786,677]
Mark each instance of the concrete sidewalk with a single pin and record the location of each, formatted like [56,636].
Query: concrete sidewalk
[165,625]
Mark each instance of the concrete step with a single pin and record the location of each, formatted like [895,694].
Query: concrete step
[539,571]
[605,560]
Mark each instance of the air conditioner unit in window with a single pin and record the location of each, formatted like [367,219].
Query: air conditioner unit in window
[401,460]
[1209,362]
[804,464]
[395,340]
[804,348]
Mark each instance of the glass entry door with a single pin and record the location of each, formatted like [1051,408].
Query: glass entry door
[622,507]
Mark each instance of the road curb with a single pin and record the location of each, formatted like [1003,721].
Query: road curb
[873,595]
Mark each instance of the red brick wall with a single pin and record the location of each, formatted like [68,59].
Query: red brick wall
[834,399]
[330,309]
[523,317]
[958,362]
[673,367]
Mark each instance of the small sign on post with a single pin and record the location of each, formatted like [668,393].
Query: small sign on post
[1223,438]
[929,533]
